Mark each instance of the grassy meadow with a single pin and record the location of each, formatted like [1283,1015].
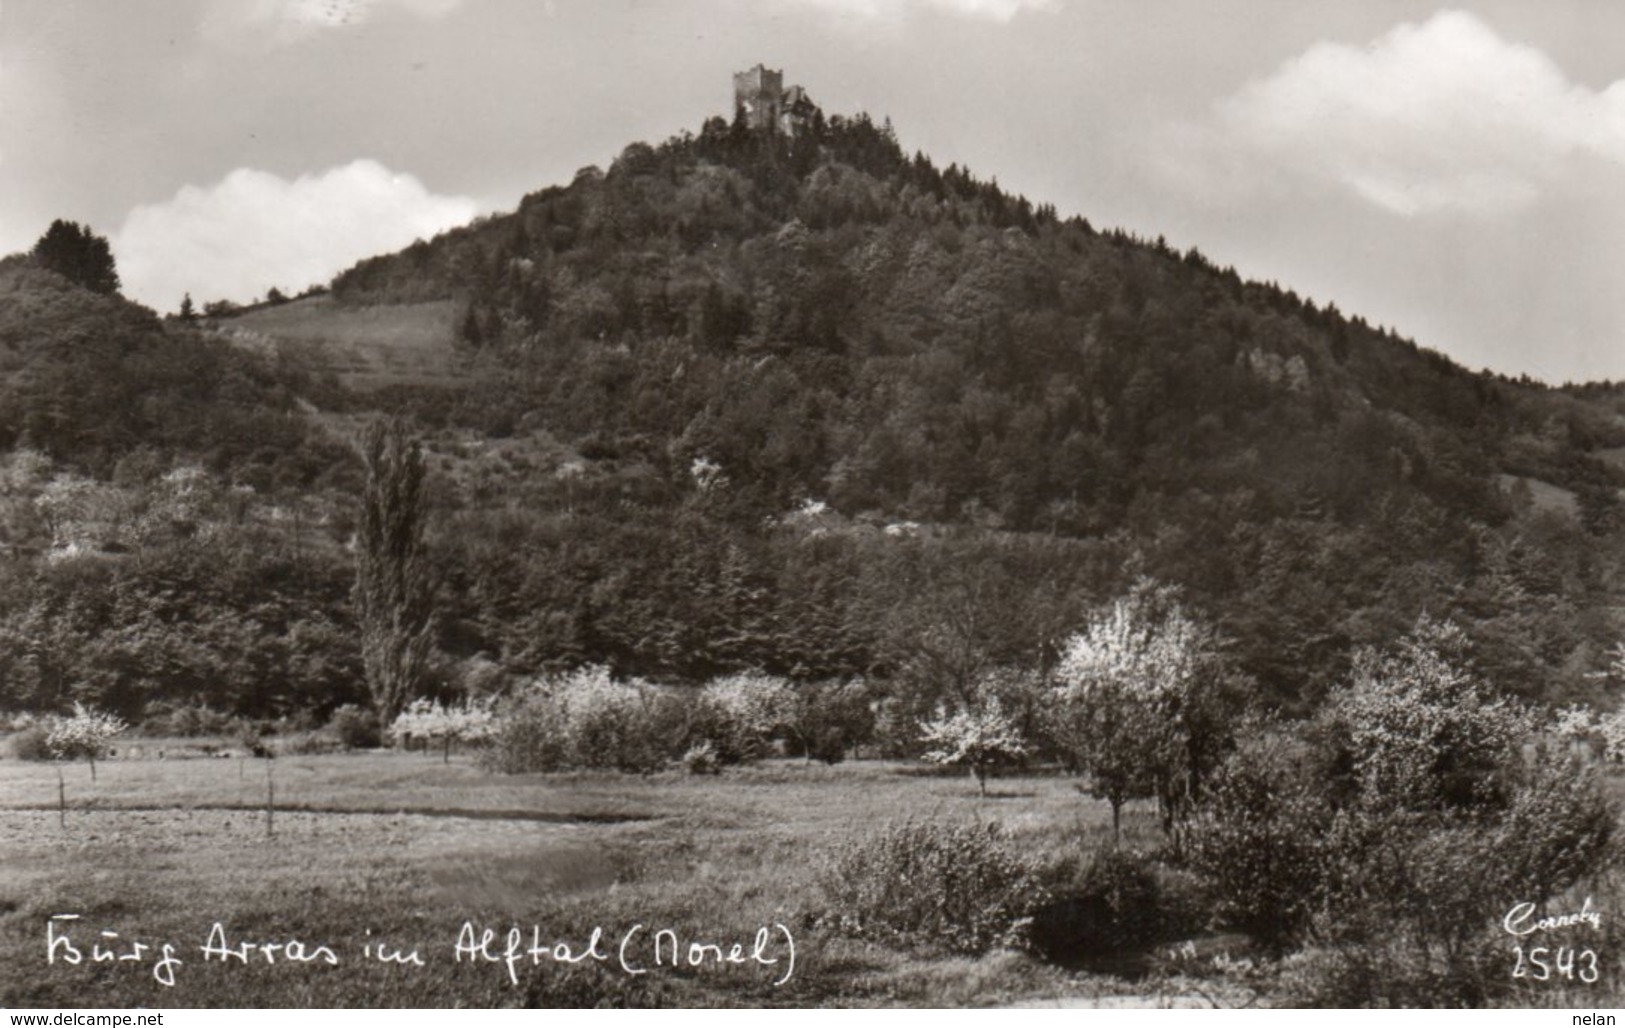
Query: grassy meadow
[407,848]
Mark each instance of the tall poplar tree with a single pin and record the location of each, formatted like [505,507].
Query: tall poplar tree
[393,595]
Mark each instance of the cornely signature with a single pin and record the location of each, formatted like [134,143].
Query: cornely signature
[635,950]
[1559,960]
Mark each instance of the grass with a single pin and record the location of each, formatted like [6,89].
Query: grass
[1545,495]
[367,347]
[159,850]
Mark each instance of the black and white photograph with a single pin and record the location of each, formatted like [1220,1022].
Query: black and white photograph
[812,504]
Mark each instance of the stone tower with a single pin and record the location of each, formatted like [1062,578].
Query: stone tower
[759,94]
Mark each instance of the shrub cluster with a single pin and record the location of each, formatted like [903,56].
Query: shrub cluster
[586,719]
[470,722]
[738,715]
[189,720]
[742,715]
[960,887]
[356,727]
[1395,832]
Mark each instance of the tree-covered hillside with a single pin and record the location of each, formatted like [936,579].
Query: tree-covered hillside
[734,327]
[810,405]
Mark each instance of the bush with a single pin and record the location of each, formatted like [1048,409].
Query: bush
[253,740]
[1119,903]
[357,729]
[531,735]
[831,719]
[1558,828]
[1388,973]
[189,721]
[617,725]
[1110,908]
[585,719]
[701,759]
[958,887]
[738,714]
[1399,836]
[1417,730]
[1258,838]
[32,743]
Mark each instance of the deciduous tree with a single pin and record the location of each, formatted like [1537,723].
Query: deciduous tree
[980,738]
[1138,703]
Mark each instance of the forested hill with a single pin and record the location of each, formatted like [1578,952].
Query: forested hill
[825,319]
[92,382]
[815,406]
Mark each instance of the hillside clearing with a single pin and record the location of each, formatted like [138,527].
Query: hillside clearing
[367,347]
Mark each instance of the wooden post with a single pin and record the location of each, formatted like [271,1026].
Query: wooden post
[270,798]
[61,798]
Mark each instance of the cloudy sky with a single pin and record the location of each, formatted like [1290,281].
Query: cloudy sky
[1456,172]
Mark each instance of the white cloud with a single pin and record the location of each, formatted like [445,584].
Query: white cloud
[281,21]
[898,10]
[1440,117]
[253,230]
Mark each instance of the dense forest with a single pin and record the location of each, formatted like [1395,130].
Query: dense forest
[801,404]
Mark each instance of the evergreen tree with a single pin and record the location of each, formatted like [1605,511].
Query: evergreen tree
[393,597]
[76,253]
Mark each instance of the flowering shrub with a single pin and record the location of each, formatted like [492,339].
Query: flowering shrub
[1419,731]
[1574,722]
[959,887]
[1138,703]
[738,714]
[1611,728]
[982,739]
[85,734]
[472,721]
[586,719]
[701,759]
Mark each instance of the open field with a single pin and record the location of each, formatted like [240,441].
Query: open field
[161,850]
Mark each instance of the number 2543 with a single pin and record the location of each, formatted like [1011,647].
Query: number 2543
[1542,963]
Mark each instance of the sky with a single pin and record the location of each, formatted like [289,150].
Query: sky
[1457,173]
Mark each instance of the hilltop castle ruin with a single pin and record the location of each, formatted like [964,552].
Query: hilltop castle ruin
[764,105]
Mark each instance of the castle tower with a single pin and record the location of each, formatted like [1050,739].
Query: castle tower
[759,94]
